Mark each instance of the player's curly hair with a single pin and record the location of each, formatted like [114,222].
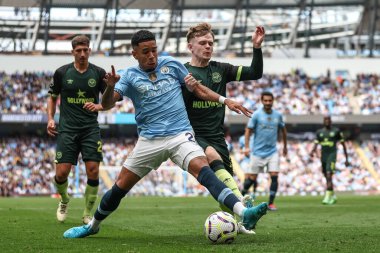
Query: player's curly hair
[80,40]
[142,36]
[199,30]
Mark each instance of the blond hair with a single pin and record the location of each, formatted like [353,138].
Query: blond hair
[199,30]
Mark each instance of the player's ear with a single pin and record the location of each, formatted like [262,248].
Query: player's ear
[134,53]
[189,46]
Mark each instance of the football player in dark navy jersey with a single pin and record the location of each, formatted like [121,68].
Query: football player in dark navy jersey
[78,85]
[206,117]
[328,137]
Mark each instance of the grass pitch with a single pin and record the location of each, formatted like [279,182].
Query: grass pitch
[154,224]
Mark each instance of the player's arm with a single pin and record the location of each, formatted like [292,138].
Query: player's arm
[54,91]
[344,148]
[255,70]
[207,94]
[345,153]
[284,140]
[92,107]
[314,149]
[51,108]
[247,134]
[110,97]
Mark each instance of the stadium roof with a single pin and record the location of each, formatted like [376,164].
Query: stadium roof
[187,4]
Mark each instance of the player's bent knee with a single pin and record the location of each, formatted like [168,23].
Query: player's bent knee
[196,164]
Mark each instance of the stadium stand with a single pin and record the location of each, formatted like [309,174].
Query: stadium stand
[333,82]
[26,168]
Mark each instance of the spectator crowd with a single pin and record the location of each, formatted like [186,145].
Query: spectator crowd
[27,168]
[295,93]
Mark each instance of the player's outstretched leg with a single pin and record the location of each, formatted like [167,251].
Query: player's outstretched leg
[108,204]
[242,230]
[247,201]
[252,215]
[80,232]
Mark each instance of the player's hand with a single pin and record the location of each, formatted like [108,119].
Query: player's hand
[191,82]
[111,78]
[238,108]
[51,128]
[258,36]
[89,106]
[246,152]
[285,151]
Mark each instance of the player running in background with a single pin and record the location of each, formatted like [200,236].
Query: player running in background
[328,137]
[154,86]
[265,124]
[207,118]
[78,84]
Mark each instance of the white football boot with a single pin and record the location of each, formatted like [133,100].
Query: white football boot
[243,230]
[62,211]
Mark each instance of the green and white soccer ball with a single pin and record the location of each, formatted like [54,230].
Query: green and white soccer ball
[220,227]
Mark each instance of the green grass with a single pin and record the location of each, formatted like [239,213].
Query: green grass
[153,224]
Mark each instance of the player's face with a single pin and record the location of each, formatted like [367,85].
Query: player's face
[146,54]
[81,54]
[202,47]
[327,121]
[267,102]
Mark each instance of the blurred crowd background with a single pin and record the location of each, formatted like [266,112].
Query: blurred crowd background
[295,93]
[27,168]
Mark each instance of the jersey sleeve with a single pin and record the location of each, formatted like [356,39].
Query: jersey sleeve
[56,85]
[252,122]
[255,71]
[230,71]
[317,140]
[340,136]
[122,86]
[180,71]
[103,85]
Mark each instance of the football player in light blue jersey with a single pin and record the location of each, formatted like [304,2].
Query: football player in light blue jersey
[265,124]
[157,97]
[165,131]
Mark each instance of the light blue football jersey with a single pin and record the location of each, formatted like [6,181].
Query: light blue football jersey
[157,98]
[265,127]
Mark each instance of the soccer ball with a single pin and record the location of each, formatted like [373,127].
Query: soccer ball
[220,227]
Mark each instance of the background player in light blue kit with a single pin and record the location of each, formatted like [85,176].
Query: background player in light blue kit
[164,130]
[265,124]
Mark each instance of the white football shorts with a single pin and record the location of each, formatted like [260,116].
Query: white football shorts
[148,154]
[258,164]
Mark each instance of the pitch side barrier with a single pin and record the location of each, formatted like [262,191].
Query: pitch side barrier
[129,119]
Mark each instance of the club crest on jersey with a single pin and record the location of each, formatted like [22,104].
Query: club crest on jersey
[216,77]
[59,155]
[153,76]
[91,82]
[70,81]
[164,70]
